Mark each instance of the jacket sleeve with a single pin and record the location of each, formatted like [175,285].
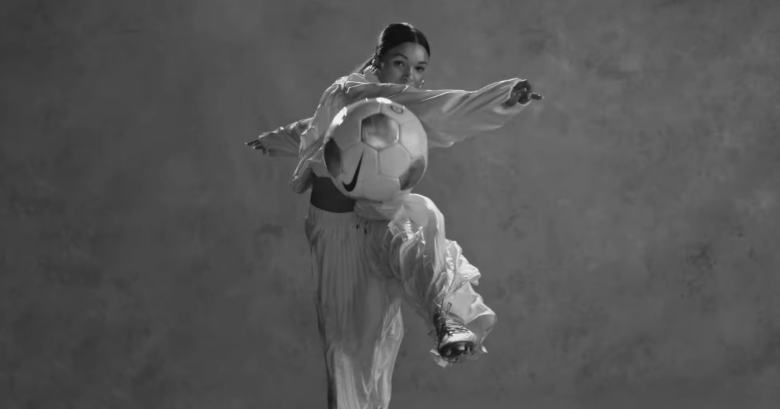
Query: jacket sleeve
[331,101]
[312,138]
[448,116]
[285,140]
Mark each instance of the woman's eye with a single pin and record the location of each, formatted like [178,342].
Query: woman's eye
[399,63]
[420,69]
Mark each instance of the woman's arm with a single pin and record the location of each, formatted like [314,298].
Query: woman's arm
[282,141]
[450,116]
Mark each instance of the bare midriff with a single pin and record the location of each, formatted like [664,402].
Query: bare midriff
[325,196]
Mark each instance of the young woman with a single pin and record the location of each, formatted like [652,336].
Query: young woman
[368,256]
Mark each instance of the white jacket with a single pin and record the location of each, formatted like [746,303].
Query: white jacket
[448,116]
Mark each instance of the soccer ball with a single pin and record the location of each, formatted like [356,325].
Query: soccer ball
[375,149]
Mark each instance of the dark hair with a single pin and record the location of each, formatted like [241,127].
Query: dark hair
[393,35]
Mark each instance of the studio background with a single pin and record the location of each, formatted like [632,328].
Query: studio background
[627,227]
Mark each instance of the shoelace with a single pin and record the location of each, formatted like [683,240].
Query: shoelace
[453,327]
[448,326]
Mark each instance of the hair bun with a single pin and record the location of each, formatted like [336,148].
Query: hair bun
[399,33]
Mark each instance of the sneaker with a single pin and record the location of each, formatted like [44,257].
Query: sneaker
[454,339]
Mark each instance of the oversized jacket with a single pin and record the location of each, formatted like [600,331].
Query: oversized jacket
[448,116]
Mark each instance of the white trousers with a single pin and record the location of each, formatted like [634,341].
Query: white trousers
[364,263]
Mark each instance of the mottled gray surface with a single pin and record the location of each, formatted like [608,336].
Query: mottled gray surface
[627,227]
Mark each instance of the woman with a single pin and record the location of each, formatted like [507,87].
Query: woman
[367,257]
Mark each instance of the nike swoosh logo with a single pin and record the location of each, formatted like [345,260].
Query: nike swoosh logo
[351,186]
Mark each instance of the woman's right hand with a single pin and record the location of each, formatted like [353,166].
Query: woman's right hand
[521,93]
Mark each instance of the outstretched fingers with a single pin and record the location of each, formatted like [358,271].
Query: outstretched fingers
[256,145]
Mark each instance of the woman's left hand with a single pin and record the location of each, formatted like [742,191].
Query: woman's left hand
[257,144]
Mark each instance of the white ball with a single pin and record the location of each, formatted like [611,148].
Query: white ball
[375,149]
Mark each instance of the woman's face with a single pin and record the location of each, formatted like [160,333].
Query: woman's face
[404,64]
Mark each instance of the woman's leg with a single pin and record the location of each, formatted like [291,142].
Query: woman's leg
[437,280]
[358,312]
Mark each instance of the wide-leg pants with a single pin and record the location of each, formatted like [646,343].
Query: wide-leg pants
[364,264]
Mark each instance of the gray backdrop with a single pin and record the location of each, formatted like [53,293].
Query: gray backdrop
[626,227]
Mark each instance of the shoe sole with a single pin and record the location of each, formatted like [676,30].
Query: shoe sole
[456,349]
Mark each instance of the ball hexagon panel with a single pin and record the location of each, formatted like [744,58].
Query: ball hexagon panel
[379,131]
[380,188]
[413,174]
[345,126]
[332,154]
[394,161]
[414,138]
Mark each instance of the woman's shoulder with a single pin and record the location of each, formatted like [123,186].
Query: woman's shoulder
[334,89]
[355,78]
[342,84]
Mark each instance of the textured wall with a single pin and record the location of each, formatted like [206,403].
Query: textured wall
[627,227]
